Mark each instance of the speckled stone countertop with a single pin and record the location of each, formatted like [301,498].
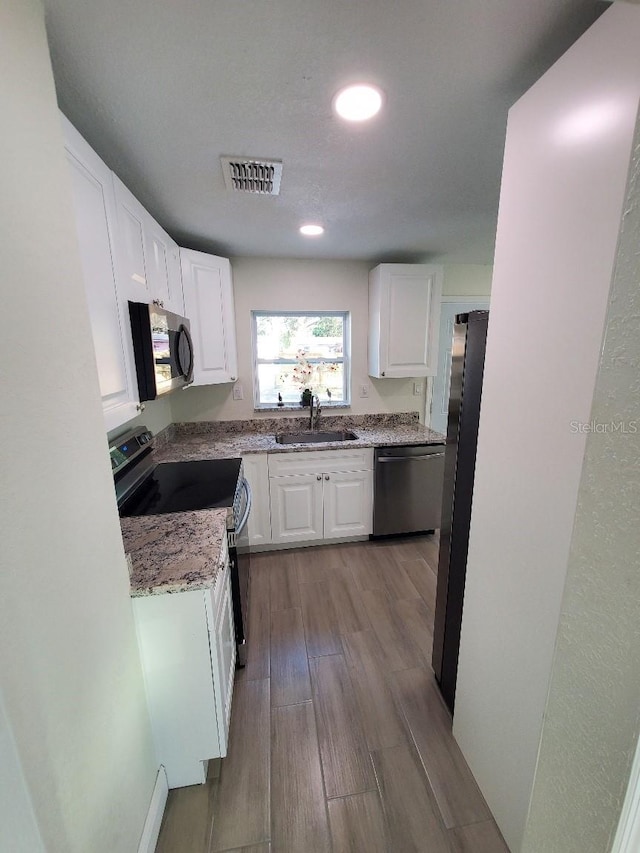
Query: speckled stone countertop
[224,439]
[181,551]
[174,552]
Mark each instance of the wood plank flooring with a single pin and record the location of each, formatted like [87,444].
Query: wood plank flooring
[339,738]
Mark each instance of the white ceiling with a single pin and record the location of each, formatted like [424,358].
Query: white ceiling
[162,88]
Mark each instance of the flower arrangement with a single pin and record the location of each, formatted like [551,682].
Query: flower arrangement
[302,371]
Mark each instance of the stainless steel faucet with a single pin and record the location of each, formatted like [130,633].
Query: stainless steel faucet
[314,419]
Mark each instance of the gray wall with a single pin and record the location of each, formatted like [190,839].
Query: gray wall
[76,716]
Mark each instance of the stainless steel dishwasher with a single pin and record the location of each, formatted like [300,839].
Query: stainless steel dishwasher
[408,489]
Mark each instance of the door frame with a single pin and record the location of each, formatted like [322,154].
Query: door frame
[627,839]
[464,300]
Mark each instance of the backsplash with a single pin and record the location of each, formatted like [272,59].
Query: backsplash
[273,425]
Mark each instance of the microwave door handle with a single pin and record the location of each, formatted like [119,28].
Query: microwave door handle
[243,522]
[188,373]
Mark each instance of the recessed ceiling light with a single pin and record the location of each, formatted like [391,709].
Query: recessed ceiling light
[358,103]
[311,230]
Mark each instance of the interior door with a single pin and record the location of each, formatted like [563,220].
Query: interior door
[440,394]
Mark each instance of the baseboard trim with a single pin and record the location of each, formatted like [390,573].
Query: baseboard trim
[307,543]
[152,824]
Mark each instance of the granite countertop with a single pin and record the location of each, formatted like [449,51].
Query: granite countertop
[224,439]
[174,552]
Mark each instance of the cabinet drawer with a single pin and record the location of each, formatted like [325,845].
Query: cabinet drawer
[325,461]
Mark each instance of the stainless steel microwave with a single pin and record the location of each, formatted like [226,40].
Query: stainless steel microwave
[163,349]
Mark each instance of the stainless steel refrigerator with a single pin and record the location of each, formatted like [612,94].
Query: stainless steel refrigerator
[467,367]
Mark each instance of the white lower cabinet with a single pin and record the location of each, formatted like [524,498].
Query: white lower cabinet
[348,503]
[297,512]
[321,495]
[187,647]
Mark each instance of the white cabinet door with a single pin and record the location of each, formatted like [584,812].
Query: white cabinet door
[296,508]
[94,204]
[173,637]
[256,471]
[208,302]
[149,260]
[188,652]
[222,644]
[348,504]
[163,267]
[133,281]
[404,306]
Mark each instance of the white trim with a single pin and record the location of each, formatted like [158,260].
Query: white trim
[345,359]
[627,838]
[152,824]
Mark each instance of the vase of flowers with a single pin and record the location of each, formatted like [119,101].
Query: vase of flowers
[302,376]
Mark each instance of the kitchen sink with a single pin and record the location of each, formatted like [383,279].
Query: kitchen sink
[316,437]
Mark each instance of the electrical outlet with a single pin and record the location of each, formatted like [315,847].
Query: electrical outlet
[238,391]
[364,390]
[417,389]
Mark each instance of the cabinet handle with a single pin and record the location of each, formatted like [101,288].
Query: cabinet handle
[233,378]
[159,303]
[383,373]
[326,476]
[319,477]
[140,407]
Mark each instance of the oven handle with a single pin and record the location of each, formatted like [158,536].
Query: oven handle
[243,522]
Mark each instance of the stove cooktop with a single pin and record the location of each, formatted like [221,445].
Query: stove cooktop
[185,486]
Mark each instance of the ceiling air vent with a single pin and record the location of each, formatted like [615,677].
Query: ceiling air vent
[250,175]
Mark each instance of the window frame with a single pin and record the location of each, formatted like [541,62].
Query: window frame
[345,360]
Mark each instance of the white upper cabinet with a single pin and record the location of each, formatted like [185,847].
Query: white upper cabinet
[404,309]
[149,263]
[131,260]
[163,267]
[94,204]
[208,302]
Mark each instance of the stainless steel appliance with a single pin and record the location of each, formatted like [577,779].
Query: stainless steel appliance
[162,348]
[407,489]
[144,487]
[467,368]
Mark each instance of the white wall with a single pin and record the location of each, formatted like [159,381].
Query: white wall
[69,666]
[467,280]
[292,285]
[566,163]
[156,416]
[591,719]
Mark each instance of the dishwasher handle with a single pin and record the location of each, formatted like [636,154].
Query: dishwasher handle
[408,458]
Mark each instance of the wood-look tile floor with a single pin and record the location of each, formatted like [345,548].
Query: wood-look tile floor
[339,738]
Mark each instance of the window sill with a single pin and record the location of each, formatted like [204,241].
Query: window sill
[300,409]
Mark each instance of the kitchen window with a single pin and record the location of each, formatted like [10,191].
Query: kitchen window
[298,350]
